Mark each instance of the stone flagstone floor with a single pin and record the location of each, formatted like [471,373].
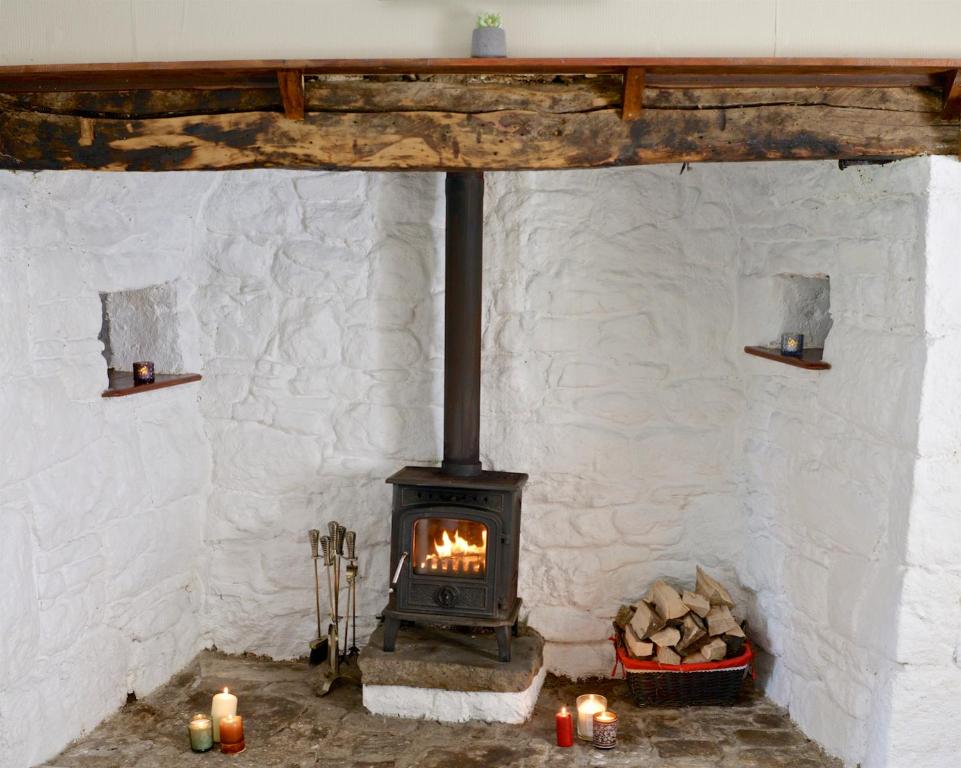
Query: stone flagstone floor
[288,726]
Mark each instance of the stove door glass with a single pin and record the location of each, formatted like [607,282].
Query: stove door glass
[446,546]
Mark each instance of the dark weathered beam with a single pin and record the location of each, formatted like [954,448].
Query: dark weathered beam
[674,126]
[633,100]
[951,108]
[291,83]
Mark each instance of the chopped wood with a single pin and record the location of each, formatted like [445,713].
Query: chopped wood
[668,601]
[639,649]
[692,631]
[720,621]
[693,658]
[735,645]
[715,650]
[697,603]
[666,637]
[667,655]
[624,615]
[712,589]
[735,632]
[645,621]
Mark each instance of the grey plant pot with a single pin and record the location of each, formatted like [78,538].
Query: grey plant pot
[488,43]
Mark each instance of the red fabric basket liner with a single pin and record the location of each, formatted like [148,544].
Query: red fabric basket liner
[635,665]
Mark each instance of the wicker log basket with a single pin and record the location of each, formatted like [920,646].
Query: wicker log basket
[682,648]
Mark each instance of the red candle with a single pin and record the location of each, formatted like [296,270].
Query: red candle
[565,728]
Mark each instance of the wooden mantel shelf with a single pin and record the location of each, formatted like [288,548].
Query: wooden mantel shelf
[661,72]
[812,360]
[120,383]
[479,114]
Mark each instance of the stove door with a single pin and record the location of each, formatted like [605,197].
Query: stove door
[453,565]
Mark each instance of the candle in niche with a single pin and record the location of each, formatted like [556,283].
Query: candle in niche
[223,704]
[588,705]
[143,372]
[201,731]
[792,344]
[565,728]
[232,735]
[605,730]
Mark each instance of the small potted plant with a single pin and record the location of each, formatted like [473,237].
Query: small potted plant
[489,40]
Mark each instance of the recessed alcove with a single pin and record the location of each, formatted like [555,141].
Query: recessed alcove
[143,324]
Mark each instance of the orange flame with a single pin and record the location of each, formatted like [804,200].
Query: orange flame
[459,545]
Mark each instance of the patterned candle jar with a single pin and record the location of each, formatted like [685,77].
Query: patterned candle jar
[143,372]
[605,730]
[792,344]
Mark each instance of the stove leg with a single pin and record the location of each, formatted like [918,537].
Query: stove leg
[503,643]
[391,626]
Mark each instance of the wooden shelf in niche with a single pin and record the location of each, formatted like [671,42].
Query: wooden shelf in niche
[121,382]
[812,359]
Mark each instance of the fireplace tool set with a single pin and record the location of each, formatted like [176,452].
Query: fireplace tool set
[336,549]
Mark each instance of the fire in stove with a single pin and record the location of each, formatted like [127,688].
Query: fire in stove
[445,547]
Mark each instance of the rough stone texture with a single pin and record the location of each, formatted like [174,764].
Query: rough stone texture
[430,657]
[453,706]
[101,501]
[287,726]
[829,458]
[616,305]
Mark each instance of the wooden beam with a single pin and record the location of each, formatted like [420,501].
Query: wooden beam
[291,82]
[633,100]
[340,133]
[951,109]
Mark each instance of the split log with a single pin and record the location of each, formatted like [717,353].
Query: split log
[645,621]
[666,637]
[712,589]
[735,632]
[693,630]
[735,645]
[697,603]
[715,650]
[667,655]
[693,658]
[624,615]
[668,601]
[639,649]
[720,621]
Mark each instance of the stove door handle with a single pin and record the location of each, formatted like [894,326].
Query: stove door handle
[400,565]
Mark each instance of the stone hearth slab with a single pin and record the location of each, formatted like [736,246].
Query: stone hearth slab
[438,674]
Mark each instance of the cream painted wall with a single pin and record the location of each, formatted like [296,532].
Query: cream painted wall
[51,31]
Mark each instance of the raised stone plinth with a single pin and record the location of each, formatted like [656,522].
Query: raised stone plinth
[438,674]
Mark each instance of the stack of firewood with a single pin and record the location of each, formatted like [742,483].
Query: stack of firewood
[682,627]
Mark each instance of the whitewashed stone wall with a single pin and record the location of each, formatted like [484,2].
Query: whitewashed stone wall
[829,457]
[101,501]
[609,376]
[617,302]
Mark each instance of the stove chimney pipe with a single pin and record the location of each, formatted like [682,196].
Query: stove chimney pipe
[462,322]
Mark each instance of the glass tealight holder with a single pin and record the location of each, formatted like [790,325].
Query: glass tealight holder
[143,372]
[588,705]
[792,344]
[201,731]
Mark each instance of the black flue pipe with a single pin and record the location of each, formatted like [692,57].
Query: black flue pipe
[462,322]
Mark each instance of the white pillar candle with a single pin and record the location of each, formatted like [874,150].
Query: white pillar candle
[588,705]
[223,705]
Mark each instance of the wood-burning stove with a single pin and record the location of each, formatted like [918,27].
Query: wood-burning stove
[455,530]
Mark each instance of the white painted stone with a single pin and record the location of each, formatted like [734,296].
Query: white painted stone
[616,304]
[453,706]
